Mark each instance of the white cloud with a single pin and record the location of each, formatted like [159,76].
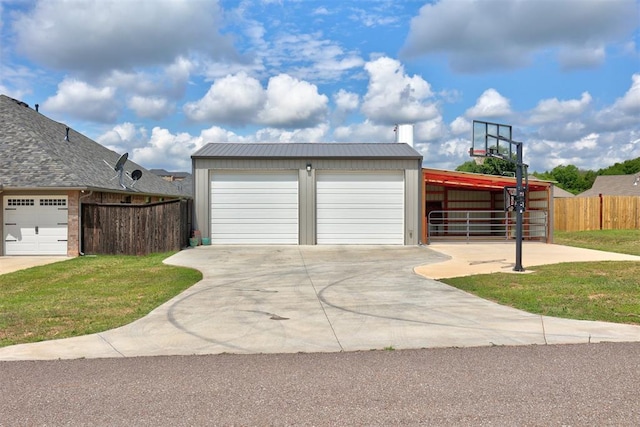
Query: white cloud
[292,103]
[430,130]
[460,125]
[123,137]
[240,99]
[624,112]
[234,99]
[313,134]
[150,107]
[84,101]
[320,11]
[366,131]
[554,110]
[630,102]
[479,35]
[310,57]
[394,97]
[490,105]
[101,35]
[346,101]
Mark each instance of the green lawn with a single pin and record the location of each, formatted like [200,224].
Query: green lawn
[85,295]
[622,241]
[607,291]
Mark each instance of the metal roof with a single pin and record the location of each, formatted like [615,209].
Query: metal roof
[476,181]
[39,153]
[332,150]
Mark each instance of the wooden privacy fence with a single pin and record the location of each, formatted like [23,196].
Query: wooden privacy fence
[126,229]
[596,213]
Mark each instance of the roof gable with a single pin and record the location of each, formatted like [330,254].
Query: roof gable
[38,152]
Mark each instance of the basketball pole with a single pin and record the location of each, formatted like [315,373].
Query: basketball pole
[520,201]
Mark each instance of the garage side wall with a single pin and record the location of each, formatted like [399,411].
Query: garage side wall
[203,168]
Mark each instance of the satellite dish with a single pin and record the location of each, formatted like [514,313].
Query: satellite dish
[121,161]
[136,174]
[119,167]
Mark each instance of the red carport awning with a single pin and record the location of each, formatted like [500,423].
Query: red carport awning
[476,181]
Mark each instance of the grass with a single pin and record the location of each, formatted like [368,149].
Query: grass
[621,241]
[607,291]
[85,295]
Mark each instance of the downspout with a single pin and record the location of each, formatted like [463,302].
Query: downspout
[80,222]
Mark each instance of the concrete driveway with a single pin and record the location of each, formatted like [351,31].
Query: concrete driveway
[284,299]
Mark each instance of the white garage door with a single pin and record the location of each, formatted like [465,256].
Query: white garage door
[254,207]
[35,225]
[360,208]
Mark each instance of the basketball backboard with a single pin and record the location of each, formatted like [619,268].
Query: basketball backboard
[487,140]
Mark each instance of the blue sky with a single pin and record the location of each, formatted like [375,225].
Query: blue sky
[159,79]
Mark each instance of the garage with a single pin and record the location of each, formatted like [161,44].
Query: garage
[35,225]
[360,208]
[308,193]
[254,207]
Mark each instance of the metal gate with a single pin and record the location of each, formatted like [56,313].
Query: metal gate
[485,225]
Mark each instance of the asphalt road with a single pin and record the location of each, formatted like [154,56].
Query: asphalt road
[568,385]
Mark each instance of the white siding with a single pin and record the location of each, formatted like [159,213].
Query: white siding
[254,207]
[360,208]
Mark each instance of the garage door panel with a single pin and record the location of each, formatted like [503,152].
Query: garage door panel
[254,207]
[361,198]
[363,228]
[258,239]
[266,216]
[372,212]
[250,200]
[360,208]
[359,239]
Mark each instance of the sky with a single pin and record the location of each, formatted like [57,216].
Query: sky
[159,79]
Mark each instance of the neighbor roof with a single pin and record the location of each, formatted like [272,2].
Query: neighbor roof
[560,193]
[614,185]
[309,150]
[35,154]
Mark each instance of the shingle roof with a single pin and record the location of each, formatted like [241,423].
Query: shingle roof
[561,193]
[35,154]
[308,150]
[613,185]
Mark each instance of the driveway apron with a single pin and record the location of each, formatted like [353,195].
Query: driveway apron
[284,299]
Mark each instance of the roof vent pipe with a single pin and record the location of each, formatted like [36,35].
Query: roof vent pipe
[404,134]
[66,138]
[37,107]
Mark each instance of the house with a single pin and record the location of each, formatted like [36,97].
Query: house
[182,180]
[308,193]
[48,170]
[614,185]
[559,193]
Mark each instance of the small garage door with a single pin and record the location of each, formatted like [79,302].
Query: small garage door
[35,225]
[360,208]
[254,207]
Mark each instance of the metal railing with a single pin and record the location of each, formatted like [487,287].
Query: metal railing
[484,225]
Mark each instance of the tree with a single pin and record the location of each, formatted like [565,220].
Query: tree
[490,166]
